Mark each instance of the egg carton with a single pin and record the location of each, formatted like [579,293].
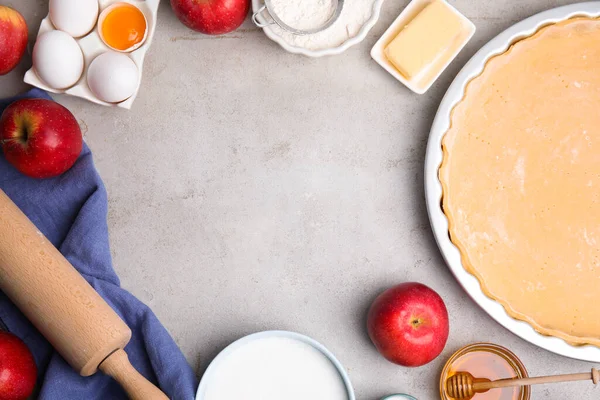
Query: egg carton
[92,46]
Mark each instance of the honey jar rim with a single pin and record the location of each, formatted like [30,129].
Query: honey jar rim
[513,360]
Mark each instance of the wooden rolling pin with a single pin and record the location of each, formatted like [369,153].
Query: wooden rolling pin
[63,306]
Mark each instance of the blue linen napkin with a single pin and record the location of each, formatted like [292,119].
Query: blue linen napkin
[71,211]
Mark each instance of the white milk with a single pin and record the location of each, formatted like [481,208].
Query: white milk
[275,368]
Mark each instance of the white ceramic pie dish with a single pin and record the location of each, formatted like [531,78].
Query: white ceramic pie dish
[433,187]
[362,34]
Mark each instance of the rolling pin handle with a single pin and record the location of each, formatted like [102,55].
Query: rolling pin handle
[117,365]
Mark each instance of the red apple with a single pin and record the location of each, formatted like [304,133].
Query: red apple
[18,372]
[409,324]
[39,137]
[13,38]
[213,17]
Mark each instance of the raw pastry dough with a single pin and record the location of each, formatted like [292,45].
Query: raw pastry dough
[521,180]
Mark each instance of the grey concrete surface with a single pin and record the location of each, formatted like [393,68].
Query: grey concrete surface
[252,189]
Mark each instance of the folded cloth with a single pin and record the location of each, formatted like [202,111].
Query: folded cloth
[71,211]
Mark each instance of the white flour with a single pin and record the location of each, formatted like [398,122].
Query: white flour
[304,14]
[308,14]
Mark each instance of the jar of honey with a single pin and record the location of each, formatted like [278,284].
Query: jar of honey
[488,361]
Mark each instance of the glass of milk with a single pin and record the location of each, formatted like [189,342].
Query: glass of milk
[275,365]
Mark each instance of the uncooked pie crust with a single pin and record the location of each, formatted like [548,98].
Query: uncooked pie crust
[521,180]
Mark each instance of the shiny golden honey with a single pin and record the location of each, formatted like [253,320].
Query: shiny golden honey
[487,360]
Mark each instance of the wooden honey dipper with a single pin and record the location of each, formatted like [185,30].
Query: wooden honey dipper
[63,306]
[463,386]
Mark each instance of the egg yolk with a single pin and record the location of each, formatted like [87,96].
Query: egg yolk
[124,27]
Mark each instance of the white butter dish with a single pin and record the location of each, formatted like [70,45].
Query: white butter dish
[92,46]
[420,86]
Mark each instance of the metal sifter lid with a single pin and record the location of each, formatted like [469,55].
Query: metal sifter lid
[266,13]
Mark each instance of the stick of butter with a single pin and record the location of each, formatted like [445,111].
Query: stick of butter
[424,39]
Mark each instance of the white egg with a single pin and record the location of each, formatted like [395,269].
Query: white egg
[75,17]
[57,59]
[113,77]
